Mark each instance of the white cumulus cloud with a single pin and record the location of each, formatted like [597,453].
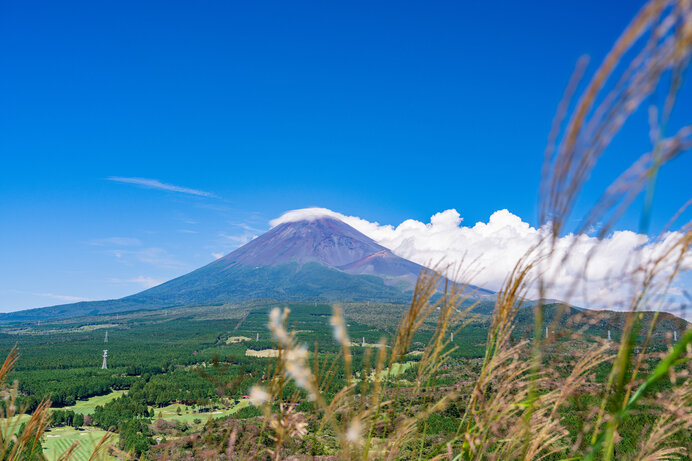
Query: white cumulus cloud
[496,246]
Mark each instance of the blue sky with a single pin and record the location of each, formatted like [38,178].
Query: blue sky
[383,110]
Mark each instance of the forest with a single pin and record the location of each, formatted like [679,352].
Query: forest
[179,368]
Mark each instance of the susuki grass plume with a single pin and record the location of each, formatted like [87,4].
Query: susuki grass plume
[17,442]
[21,441]
[514,408]
[517,403]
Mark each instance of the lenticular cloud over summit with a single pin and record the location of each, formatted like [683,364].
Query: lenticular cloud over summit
[311,214]
[495,246]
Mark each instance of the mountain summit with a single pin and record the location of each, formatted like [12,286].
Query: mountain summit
[326,241]
[319,258]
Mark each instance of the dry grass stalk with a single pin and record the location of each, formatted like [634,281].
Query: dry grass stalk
[515,389]
[21,441]
[513,410]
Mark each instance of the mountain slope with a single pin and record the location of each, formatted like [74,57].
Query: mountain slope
[320,259]
[327,241]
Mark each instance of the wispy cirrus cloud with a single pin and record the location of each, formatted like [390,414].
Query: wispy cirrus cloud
[229,242]
[249,228]
[237,240]
[157,257]
[143,281]
[116,241]
[156,184]
[71,299]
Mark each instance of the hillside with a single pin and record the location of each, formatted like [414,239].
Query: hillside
[322,259]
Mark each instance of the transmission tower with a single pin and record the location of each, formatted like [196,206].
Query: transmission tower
[105,340]
[105,356]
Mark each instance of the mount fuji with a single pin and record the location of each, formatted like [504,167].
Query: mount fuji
[319,258]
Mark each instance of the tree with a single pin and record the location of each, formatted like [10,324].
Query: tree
[78,420]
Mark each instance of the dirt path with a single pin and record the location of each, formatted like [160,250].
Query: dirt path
[241,322]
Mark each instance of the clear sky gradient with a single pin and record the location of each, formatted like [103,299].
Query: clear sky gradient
[234,112]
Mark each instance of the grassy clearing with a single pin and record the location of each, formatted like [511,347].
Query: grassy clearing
[86,407]
[60,439]
[18,420]
[188,413]
[237,339]
[96,327]
[396,370]
[360,344]
[262,353]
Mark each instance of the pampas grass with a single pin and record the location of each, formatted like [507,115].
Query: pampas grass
[514,408]
[21,440]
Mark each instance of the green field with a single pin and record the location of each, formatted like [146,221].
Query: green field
[397,369]
[60,439]
[197,359]
[188,414]
[86,407]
